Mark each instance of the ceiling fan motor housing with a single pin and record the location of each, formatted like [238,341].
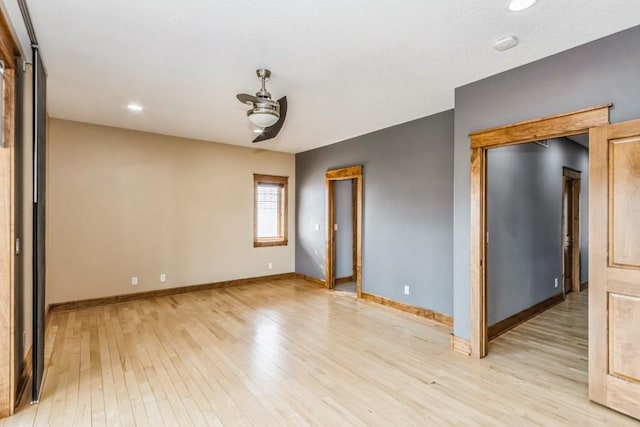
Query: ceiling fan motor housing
[264,113]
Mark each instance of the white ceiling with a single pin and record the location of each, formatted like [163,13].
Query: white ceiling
[348,67]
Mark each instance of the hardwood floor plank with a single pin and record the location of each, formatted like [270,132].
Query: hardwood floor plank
[290,353]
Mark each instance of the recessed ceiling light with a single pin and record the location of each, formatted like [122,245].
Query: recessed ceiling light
[134,107]
[520,5]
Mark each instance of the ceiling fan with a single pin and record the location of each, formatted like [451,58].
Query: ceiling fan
[265,113]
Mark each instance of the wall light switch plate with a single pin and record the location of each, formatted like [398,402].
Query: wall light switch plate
[406,289]
[163,277]
[134,280]
[270,266]
[317,227]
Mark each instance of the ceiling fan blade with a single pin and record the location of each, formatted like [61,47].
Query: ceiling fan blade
[246,98]
[272,131]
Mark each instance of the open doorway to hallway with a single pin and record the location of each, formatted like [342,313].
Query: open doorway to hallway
[537,258]
[537,241]
[333,179]
[571,197]
[344,235]
[613,259]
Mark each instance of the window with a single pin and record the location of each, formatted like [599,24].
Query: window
[270,210]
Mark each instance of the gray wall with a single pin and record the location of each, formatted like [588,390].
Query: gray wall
[407,212]
[600,72]
[24,216]
[344,235]
[524,221]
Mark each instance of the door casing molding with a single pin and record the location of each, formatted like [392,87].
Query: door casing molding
[9,53]
[555,126]
[354,173]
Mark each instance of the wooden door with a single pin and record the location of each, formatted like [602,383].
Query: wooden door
[614,267]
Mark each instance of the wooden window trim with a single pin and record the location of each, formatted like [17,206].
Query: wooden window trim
[284,223]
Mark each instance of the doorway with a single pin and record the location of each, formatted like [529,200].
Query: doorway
[565,124]
[530,241]
[344,234]
[571,180]
[344,228]
[614,258]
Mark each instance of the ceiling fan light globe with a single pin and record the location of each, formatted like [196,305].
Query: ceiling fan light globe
[263,119]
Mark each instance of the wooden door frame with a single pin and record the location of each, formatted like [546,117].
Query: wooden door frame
[570,174]
[354,173]
[559,125]
[8,51]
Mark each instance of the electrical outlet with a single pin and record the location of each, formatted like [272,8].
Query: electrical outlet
[406,289]
[270,265]
[163,277]
[134,280]
[556,283]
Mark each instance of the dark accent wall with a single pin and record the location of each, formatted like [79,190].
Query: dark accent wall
[23,313]
[39,216]
[407,209]
[524,222]
[603,71]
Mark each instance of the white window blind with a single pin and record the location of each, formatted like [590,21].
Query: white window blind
[269,210]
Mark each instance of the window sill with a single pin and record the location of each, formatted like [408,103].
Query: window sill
[266,243]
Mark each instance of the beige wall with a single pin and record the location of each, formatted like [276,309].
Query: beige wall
[123,203]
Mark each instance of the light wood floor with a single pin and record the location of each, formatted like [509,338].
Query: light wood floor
[289,353]
[347,287]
